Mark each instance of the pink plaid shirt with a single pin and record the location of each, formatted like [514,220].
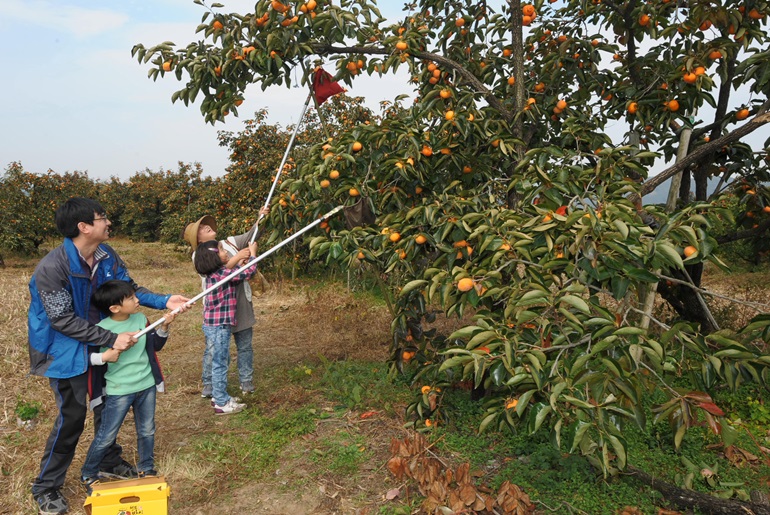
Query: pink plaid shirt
[219,308]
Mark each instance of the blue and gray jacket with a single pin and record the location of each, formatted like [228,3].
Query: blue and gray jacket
[59,331]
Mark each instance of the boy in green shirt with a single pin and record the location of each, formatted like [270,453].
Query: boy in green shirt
[132,378]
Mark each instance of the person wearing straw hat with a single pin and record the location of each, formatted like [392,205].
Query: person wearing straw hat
[205,229]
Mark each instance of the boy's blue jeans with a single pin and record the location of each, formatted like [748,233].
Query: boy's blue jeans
[218,338]
[115,410]
[245,357]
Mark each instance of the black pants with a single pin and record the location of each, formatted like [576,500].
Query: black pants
[71,400]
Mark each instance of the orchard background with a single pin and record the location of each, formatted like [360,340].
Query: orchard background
[508,195]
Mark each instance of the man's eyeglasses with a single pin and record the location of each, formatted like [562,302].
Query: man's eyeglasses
[100,218]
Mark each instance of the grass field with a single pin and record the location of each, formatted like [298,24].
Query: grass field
[316,435]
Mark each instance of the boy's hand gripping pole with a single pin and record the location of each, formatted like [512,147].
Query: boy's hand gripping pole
[280,168]
[241,269]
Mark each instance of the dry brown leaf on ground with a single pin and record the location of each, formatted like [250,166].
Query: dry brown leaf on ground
[449,490]
[439,489]
[397,467]
[462,477]
[740,457]
[479,503]
[455,503]
[392,494]
[513,500]
[431,503]
[468,494]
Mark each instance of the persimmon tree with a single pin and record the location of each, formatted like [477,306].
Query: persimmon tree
[511,189]
[256,152]
[29,201]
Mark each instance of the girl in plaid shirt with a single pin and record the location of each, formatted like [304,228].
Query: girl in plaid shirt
[219,317]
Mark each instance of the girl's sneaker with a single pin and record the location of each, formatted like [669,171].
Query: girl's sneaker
[236,400]
[230,407]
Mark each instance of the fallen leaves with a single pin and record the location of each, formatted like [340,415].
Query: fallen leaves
[447,489]
[739,457]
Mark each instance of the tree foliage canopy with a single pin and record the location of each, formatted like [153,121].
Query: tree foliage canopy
[510,189]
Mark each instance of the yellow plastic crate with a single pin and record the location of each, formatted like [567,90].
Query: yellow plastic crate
[145,496]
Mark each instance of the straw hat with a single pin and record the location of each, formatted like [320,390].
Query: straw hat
[191,229]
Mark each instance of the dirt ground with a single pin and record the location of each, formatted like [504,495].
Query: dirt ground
[286,315]
[297,323]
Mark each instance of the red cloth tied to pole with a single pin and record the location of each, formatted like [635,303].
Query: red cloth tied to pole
[323,86]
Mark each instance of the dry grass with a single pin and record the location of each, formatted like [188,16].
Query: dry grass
[749,287]
[297,323]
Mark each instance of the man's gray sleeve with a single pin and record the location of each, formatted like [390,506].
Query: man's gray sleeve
[242,240]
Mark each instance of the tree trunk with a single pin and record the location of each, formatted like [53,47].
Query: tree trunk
[684,188]
[684,300]
[686,499]
[701,184]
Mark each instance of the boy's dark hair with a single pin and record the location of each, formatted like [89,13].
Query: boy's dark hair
[112,293]
[74,211]
[207,259]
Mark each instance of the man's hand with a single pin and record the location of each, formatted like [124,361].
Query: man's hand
[264,211]
[125,341]
[178,302]
[110,355]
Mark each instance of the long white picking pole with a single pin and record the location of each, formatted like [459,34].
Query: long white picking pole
[239,270]
[283,163]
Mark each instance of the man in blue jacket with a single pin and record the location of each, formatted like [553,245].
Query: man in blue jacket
[62,326]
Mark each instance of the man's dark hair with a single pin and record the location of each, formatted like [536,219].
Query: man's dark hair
[112,293]
[207,259]
[74,211]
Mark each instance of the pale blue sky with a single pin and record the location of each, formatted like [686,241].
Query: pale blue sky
[75,99]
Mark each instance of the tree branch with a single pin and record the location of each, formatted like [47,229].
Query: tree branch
[476,84]
[691,499]
[755,123]
[755,305]
[631,57]
[746,233]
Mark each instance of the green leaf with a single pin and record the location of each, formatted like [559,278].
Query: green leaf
[488,420]
[679,436]
[481,338]
[621,227]
[619,446]
[669,254]
[577,303]
[464,332]
[578,402]
[537,416]
[580,431]
[641,275]
[412,285]
[532,297]
[627,331]
[728,432]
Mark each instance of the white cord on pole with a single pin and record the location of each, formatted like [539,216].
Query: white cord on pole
[283,163]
